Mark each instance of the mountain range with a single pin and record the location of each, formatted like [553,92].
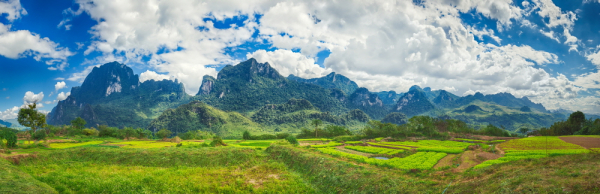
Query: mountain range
[254,96]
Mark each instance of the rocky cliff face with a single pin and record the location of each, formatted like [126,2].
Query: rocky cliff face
[111,94]
[413,103]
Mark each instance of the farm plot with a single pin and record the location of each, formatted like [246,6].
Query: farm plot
[330,144]
[70,145]
[374,150]
[450,147]
[150,144]
[586,142]
[420,160]
[534,147]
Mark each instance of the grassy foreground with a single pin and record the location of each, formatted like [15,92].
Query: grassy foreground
[13,180]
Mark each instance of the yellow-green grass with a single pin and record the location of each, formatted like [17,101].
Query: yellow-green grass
[152,144]
[168,170]
[14,180]
[389,145]
[70,145]
[315,139]
[432,144]
[537,143]
[533,148]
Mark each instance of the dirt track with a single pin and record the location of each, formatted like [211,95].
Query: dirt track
[586,142]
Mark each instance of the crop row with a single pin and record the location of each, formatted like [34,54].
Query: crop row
[444,150]
[480,141]
[420,160]
[506,159]
[330,144]
[375,150]
[353,142]
[538,143]
[433,144]
[389,145]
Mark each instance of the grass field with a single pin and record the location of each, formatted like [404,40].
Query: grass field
[96,166]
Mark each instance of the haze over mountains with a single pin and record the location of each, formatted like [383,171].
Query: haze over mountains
[256,96]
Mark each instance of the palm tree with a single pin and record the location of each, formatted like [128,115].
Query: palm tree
[316,123]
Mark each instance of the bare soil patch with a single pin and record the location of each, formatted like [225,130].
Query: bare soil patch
[446,161]
[488,156]
[468,159]
[586,142]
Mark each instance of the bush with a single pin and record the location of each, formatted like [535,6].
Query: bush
[282,135]
[292,140]
[163,133]
[10,136]
[106,131]
[217,141]
[39,135]
[90,132]
[347,138]
[246,135]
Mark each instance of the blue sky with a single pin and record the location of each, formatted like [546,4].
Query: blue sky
[546,50]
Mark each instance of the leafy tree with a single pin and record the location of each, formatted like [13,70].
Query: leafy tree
[106,131]
[163,133]
[246,135]
[78,123]
[217,141]
[128,132]
[29,117]
[316,123]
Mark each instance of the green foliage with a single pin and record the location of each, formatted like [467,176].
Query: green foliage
[10,136]
[329,131]
[29,117]
[197,115]
[217,141]
[197,135]
[246,135]
[347,138]
[163,133]
[395,118]
[90,132]
[420,160]
[39,135]
[78,123]
[106,131]
[330,144]
[14,180]
[292,140]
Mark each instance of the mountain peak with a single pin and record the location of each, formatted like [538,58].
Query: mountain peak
[249,70]
[415,87]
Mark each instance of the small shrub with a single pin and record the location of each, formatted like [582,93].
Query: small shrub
[90,132]
[163,133]
[292,140]
[176,139]
[39,135]
[217,141]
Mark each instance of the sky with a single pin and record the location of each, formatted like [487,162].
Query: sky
[548,51]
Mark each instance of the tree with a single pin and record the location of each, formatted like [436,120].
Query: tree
[78,123]
[246,135]
[316,123]
[163,133]
[29,117]
[129,132]
[523,130]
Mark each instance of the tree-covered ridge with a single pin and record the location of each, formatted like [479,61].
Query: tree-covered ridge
[300,112]
[197,115]
[331,80]
[413,103]
[250,85]
[368,102]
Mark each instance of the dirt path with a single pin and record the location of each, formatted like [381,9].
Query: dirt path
[586,142]
[446,161]
[467,160]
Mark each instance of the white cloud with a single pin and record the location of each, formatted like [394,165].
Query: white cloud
[59,78]
[22,43]
[550,35]
[80,76]
[287,62]
[12,9]
[31,97]
[62,96]
[151,75]
[60,85]
[10,113]
[553,17]
[594,57]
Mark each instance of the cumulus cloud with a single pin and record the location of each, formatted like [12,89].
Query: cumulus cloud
[12,9]
[60,85]
[151,75]
[381,44]
[10,113]
[594,58]
[31,97]
[62,96]
[287,62]
[23,43]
